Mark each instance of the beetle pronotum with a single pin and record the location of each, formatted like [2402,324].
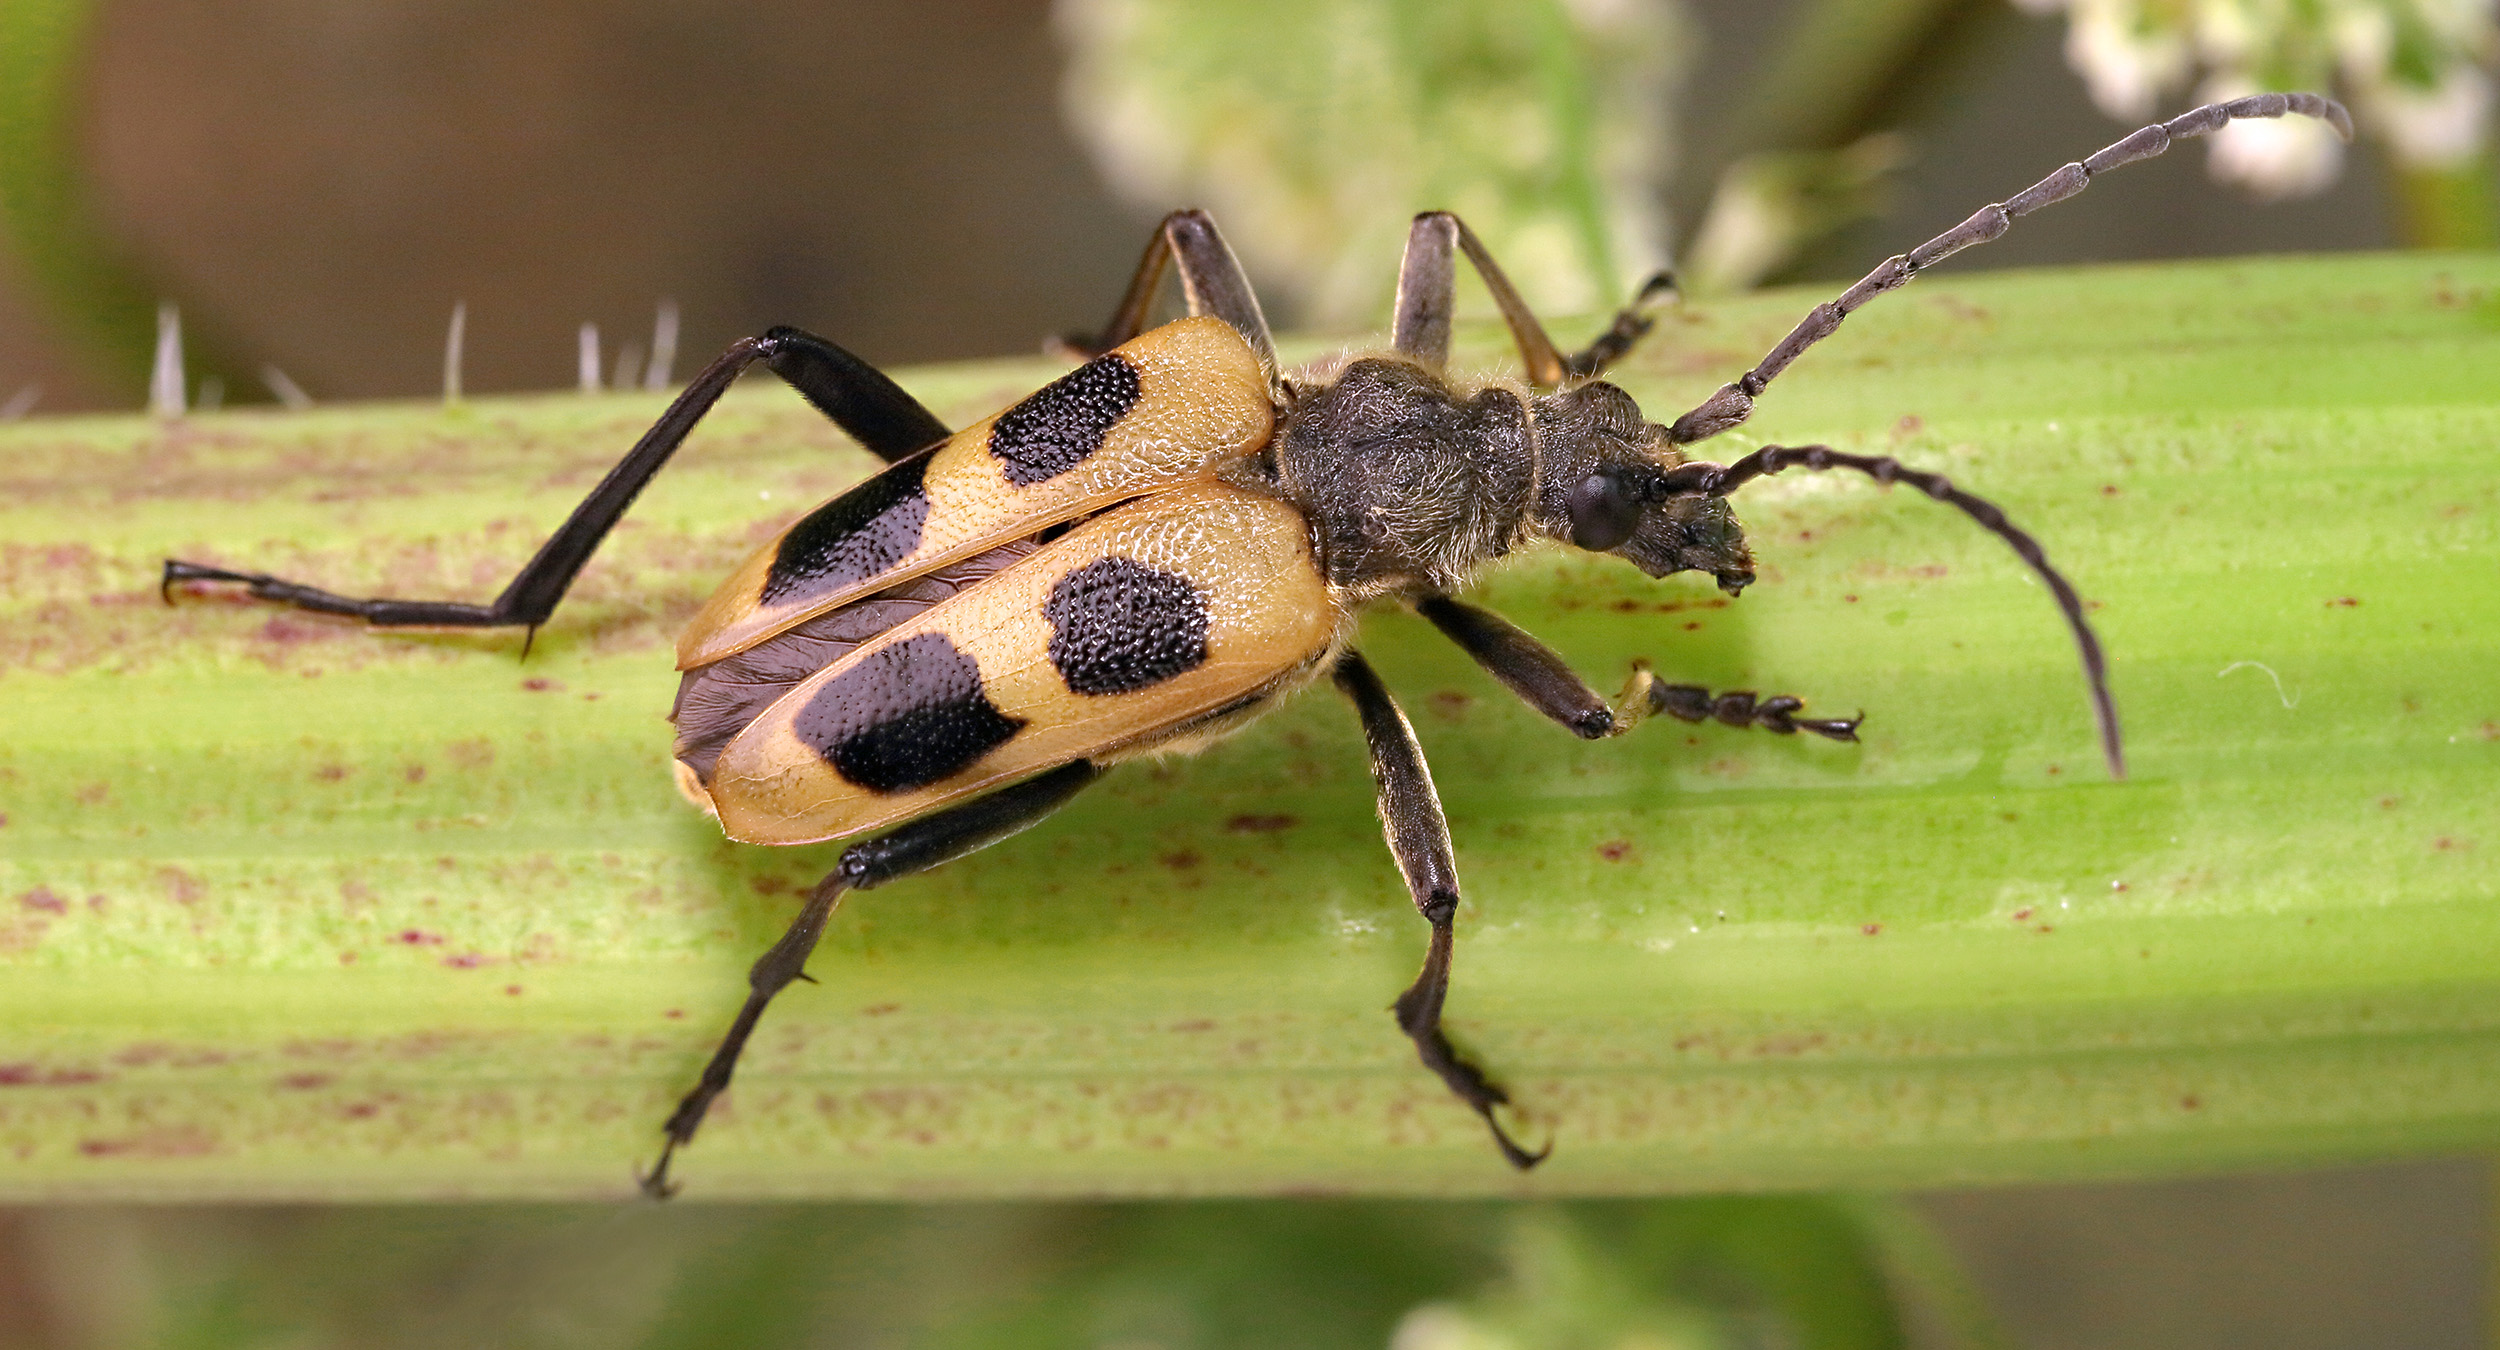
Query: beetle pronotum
[1154,548]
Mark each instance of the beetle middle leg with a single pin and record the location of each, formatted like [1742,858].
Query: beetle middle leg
[877,412]
[1212,282]
[1545,682]
[923,844]
[1419,838]
[1427,282]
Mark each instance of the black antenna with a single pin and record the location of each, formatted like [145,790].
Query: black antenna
[1711,480]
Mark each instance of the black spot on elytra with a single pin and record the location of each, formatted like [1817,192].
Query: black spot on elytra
[1118,626]
[1065,420]
[905,716]
[716,702]
[857,535]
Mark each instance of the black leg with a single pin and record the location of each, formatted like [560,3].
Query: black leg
[859,398]
[1718,480]
[1525,666]
[1733,403]
[854,394]
[916,847]
[1742,708]
[1428,274]
[1419,838]
[1631,324]
[1543,681]
[1212,282]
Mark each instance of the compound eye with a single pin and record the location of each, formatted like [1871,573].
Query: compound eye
[1605,511]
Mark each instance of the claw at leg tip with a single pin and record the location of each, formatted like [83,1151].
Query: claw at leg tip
[1512,1153]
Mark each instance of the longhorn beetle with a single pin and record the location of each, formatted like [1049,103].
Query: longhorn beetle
[1155,548]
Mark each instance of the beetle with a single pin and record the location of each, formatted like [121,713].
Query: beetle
[1153,549]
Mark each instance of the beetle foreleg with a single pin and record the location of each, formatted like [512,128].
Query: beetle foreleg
[1543,681]
[1419,838]
[1745,708]
[1631,324]
[923,844]
[1427,280]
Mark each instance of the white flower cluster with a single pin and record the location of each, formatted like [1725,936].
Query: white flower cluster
[2417,72]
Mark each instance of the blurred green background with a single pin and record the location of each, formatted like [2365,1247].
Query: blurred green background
[318,185]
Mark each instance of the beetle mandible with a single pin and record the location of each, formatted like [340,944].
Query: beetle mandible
[1153,549]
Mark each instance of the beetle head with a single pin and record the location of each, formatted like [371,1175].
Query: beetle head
[1609,490]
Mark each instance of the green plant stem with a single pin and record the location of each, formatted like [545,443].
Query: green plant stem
[291,909]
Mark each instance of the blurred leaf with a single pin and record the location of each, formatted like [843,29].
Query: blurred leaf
[1770,207]
[1207,1275]
[1316,129]
[1840,68]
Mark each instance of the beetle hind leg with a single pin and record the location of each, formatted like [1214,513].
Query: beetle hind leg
[923,844]
[858,397]
[773,972]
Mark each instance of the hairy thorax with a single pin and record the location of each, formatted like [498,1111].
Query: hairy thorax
[1409,483]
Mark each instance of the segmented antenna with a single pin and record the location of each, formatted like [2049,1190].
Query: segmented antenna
[1712,480]
[1733,403]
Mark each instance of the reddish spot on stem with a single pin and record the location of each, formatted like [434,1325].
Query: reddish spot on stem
[1261,824]
[173,1141]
